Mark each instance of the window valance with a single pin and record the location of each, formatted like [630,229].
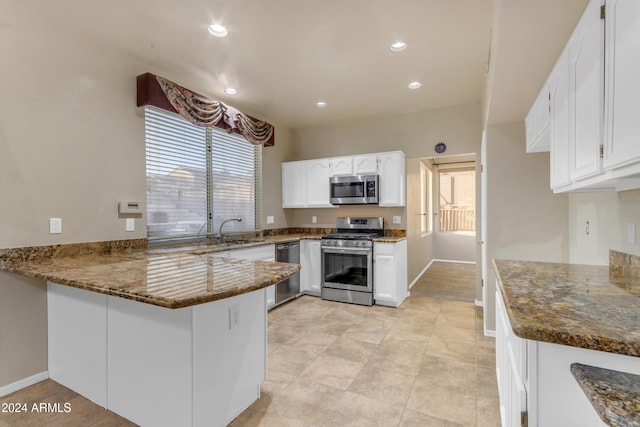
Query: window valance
[200,110]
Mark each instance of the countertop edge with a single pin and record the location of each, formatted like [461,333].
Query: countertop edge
[614,395]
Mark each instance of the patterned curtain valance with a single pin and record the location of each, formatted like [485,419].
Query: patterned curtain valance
[200,110]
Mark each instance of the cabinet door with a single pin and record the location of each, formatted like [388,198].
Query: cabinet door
[384,275]
[537,123]
[342,166]
[391,171]
[318,183]
[365,165]
[310,266]
[559,126]
[586,62]
[294,181]
[622,89]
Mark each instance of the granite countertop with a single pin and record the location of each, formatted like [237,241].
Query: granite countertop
[171,279]
[389,239]
[614,395]
[576,305]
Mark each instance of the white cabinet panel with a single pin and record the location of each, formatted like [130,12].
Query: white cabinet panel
[259,253]
[310,273]
[391,170]
[586,66]
[390,273]
[365,165]
[318,172]
[294,185]
[622,145]
[537,123]
[559,85]
[341,166]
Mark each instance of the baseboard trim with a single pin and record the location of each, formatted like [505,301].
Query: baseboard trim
[489,333]
[420,274]
[453,261]
[479,303]
[23,383]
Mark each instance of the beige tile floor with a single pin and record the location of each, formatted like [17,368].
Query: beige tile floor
[423,364]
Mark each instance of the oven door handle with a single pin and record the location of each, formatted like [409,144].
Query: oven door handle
[339,250]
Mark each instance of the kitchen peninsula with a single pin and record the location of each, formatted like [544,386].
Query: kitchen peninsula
[163,338]
[550,316]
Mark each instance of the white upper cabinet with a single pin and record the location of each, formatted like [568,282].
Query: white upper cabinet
[537,123]
[318,173]
[559,126]
[294,183]
[586,67]
[622,133]
[593,91]
[341,166]
[305,184]
[365,165]
[392,179]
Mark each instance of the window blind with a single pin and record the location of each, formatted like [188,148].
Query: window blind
[197,178]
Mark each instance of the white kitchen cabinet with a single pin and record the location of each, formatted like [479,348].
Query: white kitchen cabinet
[294,185]
[310,271]
[621,86]
[318,172]
[390,273]
[392,179]
[533,376]
[365,165]
[559,84]
[537,123]
[511,362]
[341,166]
[586,66]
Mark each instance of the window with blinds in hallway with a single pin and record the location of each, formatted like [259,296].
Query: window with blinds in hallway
[197,178]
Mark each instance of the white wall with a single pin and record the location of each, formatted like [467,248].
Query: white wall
[525,220]
[71,146]
[608,214]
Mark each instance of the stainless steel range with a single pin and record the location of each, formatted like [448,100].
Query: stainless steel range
[347,260]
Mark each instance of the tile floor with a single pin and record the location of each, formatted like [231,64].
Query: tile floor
[423,364]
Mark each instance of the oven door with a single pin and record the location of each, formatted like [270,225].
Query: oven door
[347,268]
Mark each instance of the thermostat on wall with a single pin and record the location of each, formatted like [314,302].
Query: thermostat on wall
[129,208]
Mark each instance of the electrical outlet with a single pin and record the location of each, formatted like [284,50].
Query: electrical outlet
[234,316]
[314,219]
[270,219]
[397,219]
[55,225]
[130,224]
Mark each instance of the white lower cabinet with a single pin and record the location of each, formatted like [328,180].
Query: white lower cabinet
[535,378]
[390,273]
[310,272]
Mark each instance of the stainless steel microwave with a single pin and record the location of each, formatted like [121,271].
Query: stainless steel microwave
[354,190]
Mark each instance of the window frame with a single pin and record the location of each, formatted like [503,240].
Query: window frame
[210,161]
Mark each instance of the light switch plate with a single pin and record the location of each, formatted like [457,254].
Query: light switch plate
[314,219]
[270,219]
[55,225]
[397,219]
[631,234]
[130,224]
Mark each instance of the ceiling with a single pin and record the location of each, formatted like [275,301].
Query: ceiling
[285,55]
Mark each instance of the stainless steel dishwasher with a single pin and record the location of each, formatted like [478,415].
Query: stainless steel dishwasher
[288,252]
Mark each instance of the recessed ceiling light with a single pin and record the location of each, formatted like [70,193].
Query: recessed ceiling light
[398,47]
[321,104]
[230,91]
[218,30]
[415,85]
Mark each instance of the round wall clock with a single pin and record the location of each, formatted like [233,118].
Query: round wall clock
[440,148]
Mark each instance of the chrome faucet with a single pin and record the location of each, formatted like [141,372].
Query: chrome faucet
[220,235]
[200,231]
